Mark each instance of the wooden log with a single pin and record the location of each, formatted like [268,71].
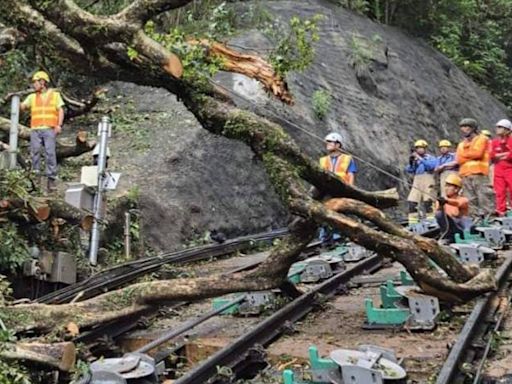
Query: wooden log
[82,145]
[252,66]
[449,263]
[61,356]
[41,209]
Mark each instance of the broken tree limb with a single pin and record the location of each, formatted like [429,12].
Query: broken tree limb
[402,250]
[442,257]
[61,356]
[252,66]
[78,108]
[81,146]
[137,298]
[42,209]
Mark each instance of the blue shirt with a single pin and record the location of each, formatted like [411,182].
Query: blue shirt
[446,158]
[352,167]
[425,165]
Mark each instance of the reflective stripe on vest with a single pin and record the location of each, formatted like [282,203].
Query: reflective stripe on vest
[473,167]
[340,167]
[44,111]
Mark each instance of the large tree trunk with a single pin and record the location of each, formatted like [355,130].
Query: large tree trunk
[99,45]
[60,356]
[81,146]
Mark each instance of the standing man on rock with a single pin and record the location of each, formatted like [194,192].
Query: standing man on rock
[445,164]
[421,196]
[501,156]
[473,158]
[46,118]
[336,161]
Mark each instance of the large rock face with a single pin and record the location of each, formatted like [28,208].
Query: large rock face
[387,90]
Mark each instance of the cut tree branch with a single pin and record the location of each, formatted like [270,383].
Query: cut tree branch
[81,146]
[140,11]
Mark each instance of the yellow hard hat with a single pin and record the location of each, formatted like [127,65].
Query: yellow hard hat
[445,143]
[454,180]
[420,143]
[41,75]
[486,132]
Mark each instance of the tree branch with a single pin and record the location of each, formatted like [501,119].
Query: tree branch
[140,11]
[447,261]
[81,146]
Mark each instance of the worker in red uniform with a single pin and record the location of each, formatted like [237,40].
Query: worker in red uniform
[452,211]
[501,156]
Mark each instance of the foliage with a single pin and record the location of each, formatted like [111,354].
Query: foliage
[321,102]
[5,291]
[14,250]
[294,48]
[15,184]
[11,373]
[475,35]
[13,77]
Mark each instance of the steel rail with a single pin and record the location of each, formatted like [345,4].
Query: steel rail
[188,325]
[271,327]
[451,366]
[126,272]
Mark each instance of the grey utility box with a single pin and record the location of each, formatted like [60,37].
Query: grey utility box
[63,268]
[80,196]
[4,160]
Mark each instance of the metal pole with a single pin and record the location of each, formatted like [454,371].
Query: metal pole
[103,128]
[13,133]
[127,225]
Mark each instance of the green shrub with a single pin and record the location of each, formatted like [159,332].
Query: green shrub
[321,102]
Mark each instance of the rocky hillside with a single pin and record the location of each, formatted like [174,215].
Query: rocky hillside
[387,90]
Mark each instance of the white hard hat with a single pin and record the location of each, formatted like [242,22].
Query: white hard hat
[504,123]
[334,136]
[96,150]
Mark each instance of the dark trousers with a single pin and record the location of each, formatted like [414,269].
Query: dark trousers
[450,226]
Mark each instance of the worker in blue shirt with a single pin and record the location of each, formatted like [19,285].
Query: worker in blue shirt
[422,195]
[446,164]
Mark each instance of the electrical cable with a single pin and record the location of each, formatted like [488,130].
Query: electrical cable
[358,158]
[293,125]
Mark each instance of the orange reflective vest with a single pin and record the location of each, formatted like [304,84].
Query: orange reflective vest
[339,167]
[473,156]
[44,111]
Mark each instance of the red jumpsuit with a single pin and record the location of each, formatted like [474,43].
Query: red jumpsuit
[502,171]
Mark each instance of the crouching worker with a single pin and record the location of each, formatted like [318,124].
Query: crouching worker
[452,210]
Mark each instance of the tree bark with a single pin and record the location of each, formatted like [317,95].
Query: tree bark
[137,298]
[99,45]
[61,356]
[440,255]
[81,146]
[42,209]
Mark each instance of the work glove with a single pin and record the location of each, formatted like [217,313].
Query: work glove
[441,200]
[412,159]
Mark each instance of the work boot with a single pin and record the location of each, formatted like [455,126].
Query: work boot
[52,185]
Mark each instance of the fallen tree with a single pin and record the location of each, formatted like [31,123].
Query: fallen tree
[81,145]
[93,44]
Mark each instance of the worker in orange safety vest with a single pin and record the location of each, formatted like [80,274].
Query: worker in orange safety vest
[473,159]
[46,118]
[336,161]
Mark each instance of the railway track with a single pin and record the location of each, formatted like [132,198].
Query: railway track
[470,352]
[244,352]
[127,272]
